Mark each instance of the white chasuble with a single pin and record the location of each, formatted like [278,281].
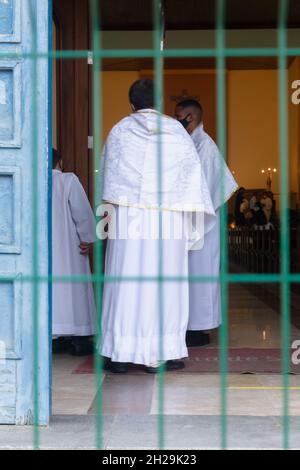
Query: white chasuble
[73,222]
[204,297]
[133,175]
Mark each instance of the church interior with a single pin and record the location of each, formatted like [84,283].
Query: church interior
[252,130]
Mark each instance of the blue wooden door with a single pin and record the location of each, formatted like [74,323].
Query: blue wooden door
[19,191]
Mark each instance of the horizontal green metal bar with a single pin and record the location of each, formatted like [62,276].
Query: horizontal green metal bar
[231,278]
[152,53]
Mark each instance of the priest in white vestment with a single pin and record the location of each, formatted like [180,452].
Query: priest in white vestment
[204,298]
[73,231]
[144,320]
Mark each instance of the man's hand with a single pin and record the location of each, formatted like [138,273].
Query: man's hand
[85,248]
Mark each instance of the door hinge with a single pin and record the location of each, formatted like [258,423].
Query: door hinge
[90,142]
[90,59]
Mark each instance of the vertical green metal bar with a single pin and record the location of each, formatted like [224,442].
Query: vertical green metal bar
[158,67]
[97,126]
[284,215]
[50,129]
[221,132]
[35,224]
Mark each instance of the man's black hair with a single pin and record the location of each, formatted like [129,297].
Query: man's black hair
[141,94]
[194,104]
[56,157]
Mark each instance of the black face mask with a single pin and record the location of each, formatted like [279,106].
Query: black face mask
[184,121]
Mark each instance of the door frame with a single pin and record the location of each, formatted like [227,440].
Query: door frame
[69,96]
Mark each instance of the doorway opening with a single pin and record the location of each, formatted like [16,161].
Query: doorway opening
[252,119]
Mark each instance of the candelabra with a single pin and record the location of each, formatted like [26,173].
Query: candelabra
[269,172]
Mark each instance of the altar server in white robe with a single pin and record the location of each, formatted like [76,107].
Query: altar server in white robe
[73,232]
[135,329]
[204,298]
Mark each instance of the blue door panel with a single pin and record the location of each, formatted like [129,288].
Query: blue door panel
[19,21]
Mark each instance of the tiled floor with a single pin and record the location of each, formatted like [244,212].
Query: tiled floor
[252,324]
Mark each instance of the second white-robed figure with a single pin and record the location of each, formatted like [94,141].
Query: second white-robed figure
[204,298]
[73,232]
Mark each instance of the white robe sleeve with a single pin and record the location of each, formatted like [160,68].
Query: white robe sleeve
[81,212]
[220,180]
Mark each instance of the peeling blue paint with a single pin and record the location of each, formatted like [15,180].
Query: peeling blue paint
[10,21]
[10,103]
[6,105]
[6,16]
[7,315]
[6,210]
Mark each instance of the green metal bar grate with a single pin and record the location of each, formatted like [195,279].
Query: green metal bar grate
[35,234]
[285,277]
[148,53]
[221,133]
[158,73]
[97,120]
[284,219]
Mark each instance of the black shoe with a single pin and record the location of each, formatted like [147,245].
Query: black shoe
[117,367]
[60,345]
[175,365]
[106,363]
[168,366]
[151,370]
[197,338]
[81,346]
